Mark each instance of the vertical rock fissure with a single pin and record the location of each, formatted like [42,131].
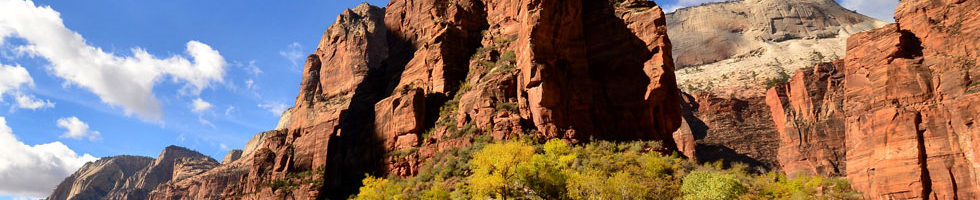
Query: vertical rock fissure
[952,182]
[923,158]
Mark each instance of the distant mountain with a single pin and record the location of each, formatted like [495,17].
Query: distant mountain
[735,47]
[131,177]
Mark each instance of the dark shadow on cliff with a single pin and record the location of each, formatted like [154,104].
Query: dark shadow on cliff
[357,149]
[707,153]
[616,57]
[688,106]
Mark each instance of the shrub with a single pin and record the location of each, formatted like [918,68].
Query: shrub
[781,78]
[707,185]
[379,189]
[524,169]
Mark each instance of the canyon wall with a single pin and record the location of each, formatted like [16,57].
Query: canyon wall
[808,112]
[387,88]
[908,94]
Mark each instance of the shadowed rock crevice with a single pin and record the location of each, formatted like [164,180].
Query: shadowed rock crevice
[923,156]
[909,45]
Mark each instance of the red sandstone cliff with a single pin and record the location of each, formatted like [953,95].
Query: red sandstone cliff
[731,129]
[908,96]
[808,112]
[420,77]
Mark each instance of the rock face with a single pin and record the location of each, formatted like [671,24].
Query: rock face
[232,156]
[909,104]
[910,100]
[598,69]
[809,114]
[420,77]
[96,179]
[132,177]
[732,129]
[735,47]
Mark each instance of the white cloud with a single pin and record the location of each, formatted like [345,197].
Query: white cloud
[33,171]
[205,122]
[883,10]
[229,110]
[13,77]
[124,81]
[294,53]
[30,102]
[252,69]
[200,106]
[76,129]
[274,108]
[250,84]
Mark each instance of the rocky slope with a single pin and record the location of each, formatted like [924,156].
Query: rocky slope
[736,47]
[908,99]
[131,177]
[389,87]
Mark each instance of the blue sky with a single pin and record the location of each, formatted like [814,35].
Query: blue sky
[81,80]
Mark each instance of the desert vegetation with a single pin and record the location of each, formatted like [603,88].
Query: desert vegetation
[525,169]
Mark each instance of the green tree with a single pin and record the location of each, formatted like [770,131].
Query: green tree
[497,169]
[707,185]
[379,189]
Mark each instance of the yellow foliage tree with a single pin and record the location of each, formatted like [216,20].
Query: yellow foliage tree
[379,189]
[497,169]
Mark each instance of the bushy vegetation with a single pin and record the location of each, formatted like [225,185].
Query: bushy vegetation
[523,169]
[780,78]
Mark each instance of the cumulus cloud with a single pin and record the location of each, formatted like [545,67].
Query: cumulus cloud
[274,108]
[76,129]
[12,80]
[30,102]
[13,77]
[34,171]
[883,10]
[200,105]
[124,81]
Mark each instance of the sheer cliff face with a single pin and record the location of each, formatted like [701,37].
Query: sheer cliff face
[419,77]
[808,113]
[735,47]
[909,104]
[131,177]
